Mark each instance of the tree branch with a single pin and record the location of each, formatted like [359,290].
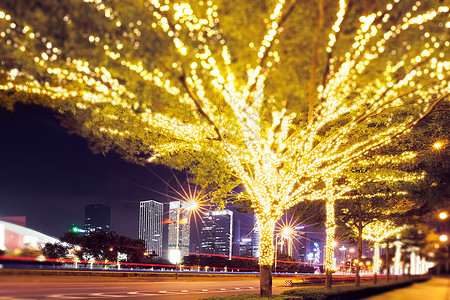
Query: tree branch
[196,100]
[266,54]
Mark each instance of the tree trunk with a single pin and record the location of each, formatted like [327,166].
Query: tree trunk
[328,279]
[376,262]
[360,229]
[387,261]
[330,226]
[265,281]
[266,254]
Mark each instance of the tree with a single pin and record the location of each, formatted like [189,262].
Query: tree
[101,245]
[169,84]
[54,250]
[377,232]
[369,214]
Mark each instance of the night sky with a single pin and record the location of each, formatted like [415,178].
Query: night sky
[49,176]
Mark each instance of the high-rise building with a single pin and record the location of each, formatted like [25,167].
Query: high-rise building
[255,239]
[236,234]
[178,231]
[150,225]
[245,247]
[217,233]
[97,217]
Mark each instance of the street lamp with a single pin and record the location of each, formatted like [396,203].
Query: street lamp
[438,145]
[343,250]
[443,215]
[443,238]
[286,233]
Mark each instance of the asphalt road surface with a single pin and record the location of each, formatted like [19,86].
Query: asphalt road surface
[53,287]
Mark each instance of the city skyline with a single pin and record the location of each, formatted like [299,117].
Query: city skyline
[50,175]
[96,178]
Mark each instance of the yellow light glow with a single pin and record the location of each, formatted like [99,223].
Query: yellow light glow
[223,115]
[443,215]
[443,238]
[437,145]
[287,231]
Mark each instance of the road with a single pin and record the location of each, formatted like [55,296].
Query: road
[53,287]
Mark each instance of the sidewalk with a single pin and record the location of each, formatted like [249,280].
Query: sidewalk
[437,288]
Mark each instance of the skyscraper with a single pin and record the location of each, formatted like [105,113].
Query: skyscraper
[179,231]
[255,239]
[217,233]
[97,217]
[150,225]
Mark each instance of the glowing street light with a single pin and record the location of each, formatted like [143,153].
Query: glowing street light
[443,238]
[192,205]
[443,215]
[438,145]
[287,231]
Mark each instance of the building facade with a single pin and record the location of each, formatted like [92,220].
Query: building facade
[178,231]
[217,233]
[255,239]
[97,217]
[151,227]
[245,247]
[16,237]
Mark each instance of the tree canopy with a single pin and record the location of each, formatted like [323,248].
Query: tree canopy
[240,93]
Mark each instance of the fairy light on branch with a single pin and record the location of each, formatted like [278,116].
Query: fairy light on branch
[214,110]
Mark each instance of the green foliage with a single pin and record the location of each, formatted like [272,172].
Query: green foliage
[54,250]
[300,110]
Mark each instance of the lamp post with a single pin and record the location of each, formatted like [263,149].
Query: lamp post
[276,251]
[343,250]
[286,233]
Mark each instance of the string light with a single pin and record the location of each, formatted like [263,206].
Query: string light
[215,113]
[377,232]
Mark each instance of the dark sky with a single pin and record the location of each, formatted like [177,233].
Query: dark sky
[49,176]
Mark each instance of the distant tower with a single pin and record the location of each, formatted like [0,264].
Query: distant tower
[179,231]
[217,233]
[97,217]
[150,225]
[255,239]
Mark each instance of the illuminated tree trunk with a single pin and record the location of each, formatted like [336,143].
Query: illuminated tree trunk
[330,226]
[360,228]
[266,252]
[387,261]
[376,261]
[398,257]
